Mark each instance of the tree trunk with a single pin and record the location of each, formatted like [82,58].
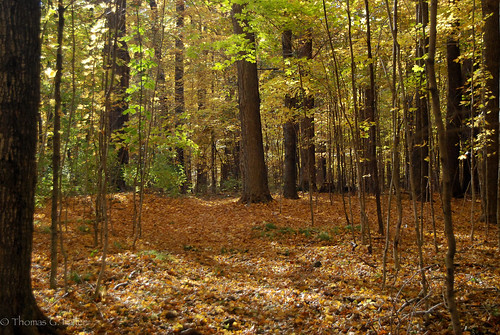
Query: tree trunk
[289,132]
[491,55]
[213,163]
[454,111]
[255,183]
[306,103]
[19,100]
[201,177]
[179,81]
[419,150]
[446,182]
[56,150]
[307,149]
[371,113]
[290,162]
[119,59]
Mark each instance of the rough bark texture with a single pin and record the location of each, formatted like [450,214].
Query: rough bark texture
[19,98]
[454,112]
[491,55]
[255,183]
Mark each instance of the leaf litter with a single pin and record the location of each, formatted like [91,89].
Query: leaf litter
[216,266]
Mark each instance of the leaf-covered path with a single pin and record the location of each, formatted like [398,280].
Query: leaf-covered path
[215,266]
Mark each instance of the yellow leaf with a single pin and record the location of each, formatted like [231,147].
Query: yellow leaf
[51,73]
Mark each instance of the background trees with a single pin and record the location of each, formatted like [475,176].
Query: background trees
[209,86]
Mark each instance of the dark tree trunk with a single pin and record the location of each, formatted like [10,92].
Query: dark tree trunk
[446,183]
[371,111]
[201,177]
[56,150]
[118,59]
[307,149]
[290,162]
[491,55]
[289,133]
[213,163]
[19,99]
[225,167]
[420,139]
[468,134]
[306,103]
[255,183]
[454,111]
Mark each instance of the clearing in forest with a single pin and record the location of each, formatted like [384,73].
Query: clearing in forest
[215,266]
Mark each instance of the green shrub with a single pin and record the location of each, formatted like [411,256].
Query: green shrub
[230,185]
[163,174]
[324,236]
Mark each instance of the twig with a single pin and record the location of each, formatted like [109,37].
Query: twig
[366,262]
[430,310]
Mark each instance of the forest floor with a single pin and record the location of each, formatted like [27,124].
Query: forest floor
[215,266]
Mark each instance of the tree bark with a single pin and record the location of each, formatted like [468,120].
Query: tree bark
[119,59]
[371,112]
[56,150]
[290,161]
[19,100]
[454,112]
[491,55]
[306,104]
[255,183]
[289,132]
[420,140]
[446,182]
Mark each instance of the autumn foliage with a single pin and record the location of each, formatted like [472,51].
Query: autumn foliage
[216,266]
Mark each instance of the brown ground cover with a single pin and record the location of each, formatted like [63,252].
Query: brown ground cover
[215,266]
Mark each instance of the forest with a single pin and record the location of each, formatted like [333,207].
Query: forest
[249,167]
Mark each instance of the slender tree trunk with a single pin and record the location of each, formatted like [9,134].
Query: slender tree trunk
[290,162]
[56,149]
[307,148]
[179,81]
[255,183]
[305,101]
[371,111]
[158,31]
[446,181]
[365,228]
[419,150]
[19,100]
[116,20]
[289,132]
[395,157]
[213,162]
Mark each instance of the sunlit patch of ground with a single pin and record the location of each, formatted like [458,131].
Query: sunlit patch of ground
[214,266]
